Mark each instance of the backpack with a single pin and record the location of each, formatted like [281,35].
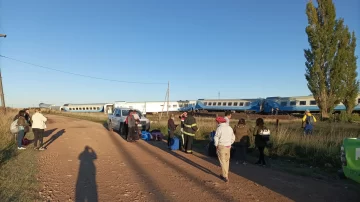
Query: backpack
[309,120]
[14,127]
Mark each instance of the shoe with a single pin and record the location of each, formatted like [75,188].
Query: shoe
[41,148]
[35,148]
[20,148]
[244,163]
[237,162]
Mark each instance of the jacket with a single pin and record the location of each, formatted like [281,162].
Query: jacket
[38,121]
[190,126]
[242,135]
[171,125]
[224,135]
[259,141]
[23,124]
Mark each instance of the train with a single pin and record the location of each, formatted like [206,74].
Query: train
[268,105]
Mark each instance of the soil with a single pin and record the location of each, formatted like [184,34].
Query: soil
[84,161]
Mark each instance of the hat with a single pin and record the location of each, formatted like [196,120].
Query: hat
[307,110]
[220,119]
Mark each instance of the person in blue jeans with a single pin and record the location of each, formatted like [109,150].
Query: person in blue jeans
[309,121]
[23,127]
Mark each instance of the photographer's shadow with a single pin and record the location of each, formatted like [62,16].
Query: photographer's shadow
[86,187]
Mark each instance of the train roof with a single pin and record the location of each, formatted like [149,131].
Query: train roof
[67,104]
[221,100]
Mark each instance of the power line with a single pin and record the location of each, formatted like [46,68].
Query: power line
[76,74]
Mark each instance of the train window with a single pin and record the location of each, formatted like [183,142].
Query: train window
[209,104]
[247,104]
[224,103]
[241,104]
[229,103]
[358,101]
[214,103]
[219,104]
[292,103]
[283,104]
[77,108]
[312,102]
[181,105]
[174,106]
[70,109]
[83,108]
[302,102]
[205,103]
[235,103]
[98,108]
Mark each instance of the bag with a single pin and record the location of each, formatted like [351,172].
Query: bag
[146,136]
[309,120]
[174,143]
[14,127]
[265,134]
[157,135]
[25,141]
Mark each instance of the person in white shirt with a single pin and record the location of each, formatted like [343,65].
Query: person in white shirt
[227,117]
[223,139]
[38,128]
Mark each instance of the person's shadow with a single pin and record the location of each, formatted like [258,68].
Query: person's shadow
[86,188]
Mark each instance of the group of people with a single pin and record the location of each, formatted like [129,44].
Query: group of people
[225,137]
[24,122]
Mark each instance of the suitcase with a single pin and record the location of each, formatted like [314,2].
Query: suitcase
[146,136]
[174,143]
[157,135]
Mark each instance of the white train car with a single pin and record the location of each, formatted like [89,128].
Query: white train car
[152,107]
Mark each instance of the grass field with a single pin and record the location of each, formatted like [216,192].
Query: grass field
[18,169]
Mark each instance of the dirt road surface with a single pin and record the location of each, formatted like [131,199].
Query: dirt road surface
[86,162]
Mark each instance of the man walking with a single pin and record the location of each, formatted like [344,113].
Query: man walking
[223,139]
[309,121]
[38,128]
[190,128]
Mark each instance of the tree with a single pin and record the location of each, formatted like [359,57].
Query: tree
[351,84]
[323,67]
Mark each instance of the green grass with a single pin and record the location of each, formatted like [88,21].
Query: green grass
[18,169]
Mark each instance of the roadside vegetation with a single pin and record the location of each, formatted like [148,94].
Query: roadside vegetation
[18,169]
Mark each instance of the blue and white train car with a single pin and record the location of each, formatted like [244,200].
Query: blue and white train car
[97,107]
[237,105]
[298,104]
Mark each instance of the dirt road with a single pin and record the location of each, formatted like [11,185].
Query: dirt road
[85,161]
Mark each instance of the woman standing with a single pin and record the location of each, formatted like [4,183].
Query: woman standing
[261,138]
[23,127]
[242,141]
[171,128]
[38,128]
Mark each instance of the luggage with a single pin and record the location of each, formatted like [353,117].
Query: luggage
[25,142]
[146,136]
[174,143]
[157,135]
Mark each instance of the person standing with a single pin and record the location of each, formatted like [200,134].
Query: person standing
[182,119]
[242,140]
[38,128]
[190,128]
[23,127]
[228,117]
[309,121]
[132,125]
[27,118]
[223,139]
[261,139]
[171,128]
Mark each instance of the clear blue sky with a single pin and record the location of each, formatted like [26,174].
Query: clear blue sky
[243,49]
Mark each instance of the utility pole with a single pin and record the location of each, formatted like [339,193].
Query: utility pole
[219,95]
[1,86]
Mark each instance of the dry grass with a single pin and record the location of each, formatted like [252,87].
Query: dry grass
[18,169]
[95,117]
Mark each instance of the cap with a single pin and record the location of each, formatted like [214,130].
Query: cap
[220,119]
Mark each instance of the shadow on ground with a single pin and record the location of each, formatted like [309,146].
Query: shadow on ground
[86,187]
[54,137]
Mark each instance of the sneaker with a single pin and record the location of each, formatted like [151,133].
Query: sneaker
[41,148]
[244,163]
[21,148]
[237,162]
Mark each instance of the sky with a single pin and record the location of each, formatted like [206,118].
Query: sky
[242,49]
